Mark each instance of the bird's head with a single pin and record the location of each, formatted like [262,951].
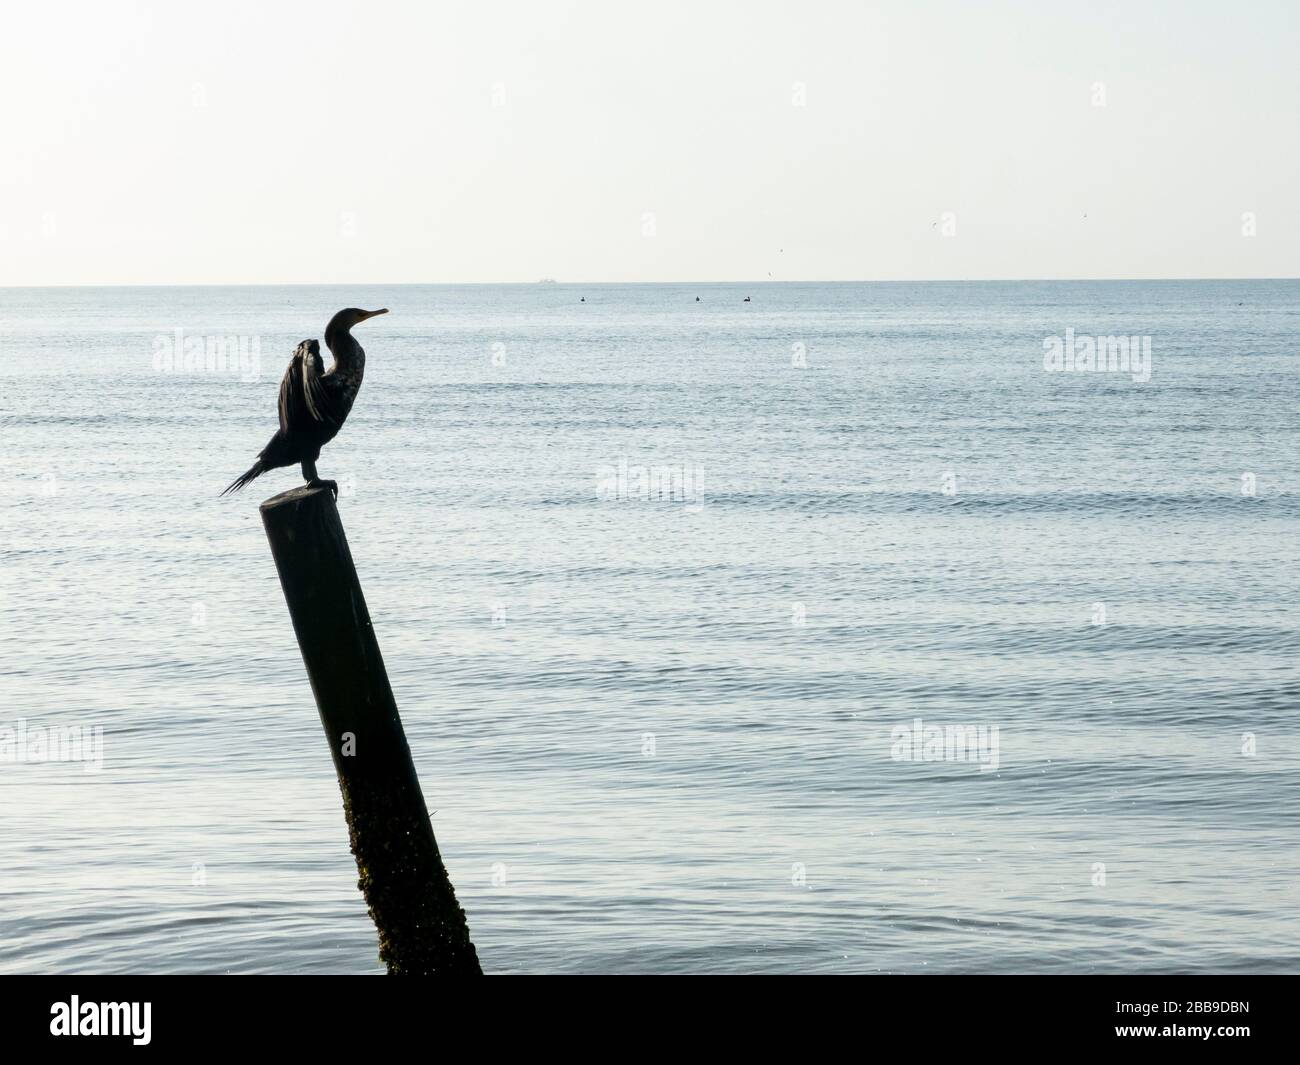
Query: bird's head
[341,325]
[350,316]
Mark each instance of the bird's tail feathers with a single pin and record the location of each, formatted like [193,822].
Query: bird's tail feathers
[255,470]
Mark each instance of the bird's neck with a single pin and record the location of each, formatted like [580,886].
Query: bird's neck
[348,355]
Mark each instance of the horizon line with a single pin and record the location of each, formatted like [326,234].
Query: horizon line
[557,282]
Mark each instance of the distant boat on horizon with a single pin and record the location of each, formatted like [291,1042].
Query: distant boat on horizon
[547,281]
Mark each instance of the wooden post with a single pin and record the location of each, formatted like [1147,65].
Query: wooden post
[421,927]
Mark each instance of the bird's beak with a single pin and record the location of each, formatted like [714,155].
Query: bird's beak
[371,314]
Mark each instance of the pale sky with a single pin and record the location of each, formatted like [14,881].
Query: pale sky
[252,142]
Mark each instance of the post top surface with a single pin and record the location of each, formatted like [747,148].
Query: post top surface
[296,495]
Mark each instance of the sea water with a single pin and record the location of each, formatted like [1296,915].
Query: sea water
[839,630]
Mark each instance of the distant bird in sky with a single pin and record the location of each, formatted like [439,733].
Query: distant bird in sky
[314,403]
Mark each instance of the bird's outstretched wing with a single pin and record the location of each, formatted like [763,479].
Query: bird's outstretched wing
[305,401]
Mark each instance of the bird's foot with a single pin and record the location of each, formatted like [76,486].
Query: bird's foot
[333,486]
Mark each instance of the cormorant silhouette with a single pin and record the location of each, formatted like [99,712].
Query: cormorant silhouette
[314,402]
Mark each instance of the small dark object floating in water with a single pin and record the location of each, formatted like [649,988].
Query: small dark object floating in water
[746,299]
